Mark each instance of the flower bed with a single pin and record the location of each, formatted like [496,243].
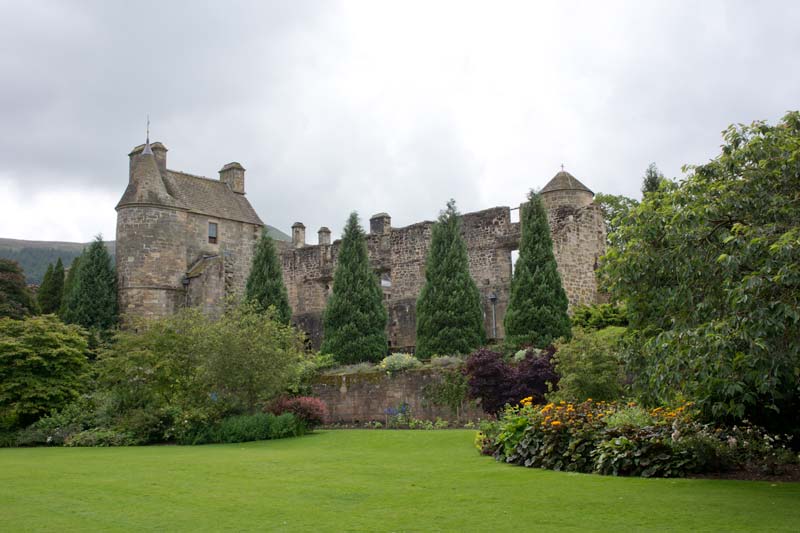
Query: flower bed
[625,439]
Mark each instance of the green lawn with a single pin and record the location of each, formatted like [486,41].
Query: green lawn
[351,480]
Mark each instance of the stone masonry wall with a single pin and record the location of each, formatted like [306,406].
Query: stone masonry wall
[150,260]
[360,398]
[398,255]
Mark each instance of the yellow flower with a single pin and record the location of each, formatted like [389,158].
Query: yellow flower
[555,423]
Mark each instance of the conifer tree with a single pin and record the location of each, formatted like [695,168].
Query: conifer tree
[354,322]
[652,179]
[69,285]
[92,302]
[449,313]
[44,295]
[265,284]
[51,289]
[537,308]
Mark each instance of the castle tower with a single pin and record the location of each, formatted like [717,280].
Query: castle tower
[150,258]
[579,235]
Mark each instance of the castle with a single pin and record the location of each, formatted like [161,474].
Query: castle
[186,240]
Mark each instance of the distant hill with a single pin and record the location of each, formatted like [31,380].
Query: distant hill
[34,256]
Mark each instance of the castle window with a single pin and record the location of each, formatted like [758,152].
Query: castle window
[212,232]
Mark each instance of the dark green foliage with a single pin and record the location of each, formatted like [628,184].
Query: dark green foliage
[51,289]
[15,298]
[265,285]
[43,367]
[355,318]
[246,428]
[70,281]
[449,312]
[537,308]
[599,316]
[92,300]
[710,271]
[652,179]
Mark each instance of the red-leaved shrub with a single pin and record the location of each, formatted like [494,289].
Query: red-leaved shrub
[310,410]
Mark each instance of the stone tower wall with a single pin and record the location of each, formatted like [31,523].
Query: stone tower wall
[150,260]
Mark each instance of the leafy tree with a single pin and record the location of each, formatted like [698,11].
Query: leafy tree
[43,367]
[69,286]
[590,366]
[537,308]
[92,301]
[15,298]
[355,319]
[710,271]
[653,178]
[265,284]
[51,289]
[615,208]
[449,313]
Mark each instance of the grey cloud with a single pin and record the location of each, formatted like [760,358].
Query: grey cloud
[327,122]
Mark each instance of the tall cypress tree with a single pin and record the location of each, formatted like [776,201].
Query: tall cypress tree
[449,313]
[265,284]
[92,302]
[44,296]
[537,309]
[69,286]
[51,289]
[355,320]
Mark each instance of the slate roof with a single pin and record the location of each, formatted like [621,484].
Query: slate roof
[564,181]
[209,197]
[181,190]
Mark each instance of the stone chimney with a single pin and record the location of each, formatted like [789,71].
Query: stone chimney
[159,152]
[233,175]
[298,235]
[324,235]
[380,224]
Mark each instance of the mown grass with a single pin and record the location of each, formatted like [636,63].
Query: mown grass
[351,480]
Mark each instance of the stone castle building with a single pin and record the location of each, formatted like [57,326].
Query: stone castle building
[185,240]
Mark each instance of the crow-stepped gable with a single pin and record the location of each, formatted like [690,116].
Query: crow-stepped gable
[185,240]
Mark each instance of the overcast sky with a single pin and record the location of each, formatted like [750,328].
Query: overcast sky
[373,106]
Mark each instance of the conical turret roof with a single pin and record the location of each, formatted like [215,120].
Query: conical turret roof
[146,185]
[564,181]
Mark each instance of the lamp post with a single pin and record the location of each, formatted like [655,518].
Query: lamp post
[493,299]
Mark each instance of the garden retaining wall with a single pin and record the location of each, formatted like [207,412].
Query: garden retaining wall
[366,397]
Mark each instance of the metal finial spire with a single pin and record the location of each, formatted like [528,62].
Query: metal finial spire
[562,164]
[147,149]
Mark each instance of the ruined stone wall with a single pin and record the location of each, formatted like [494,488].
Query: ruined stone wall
[398,256]
[150,260]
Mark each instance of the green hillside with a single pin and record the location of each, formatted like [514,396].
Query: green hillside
[34,256]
